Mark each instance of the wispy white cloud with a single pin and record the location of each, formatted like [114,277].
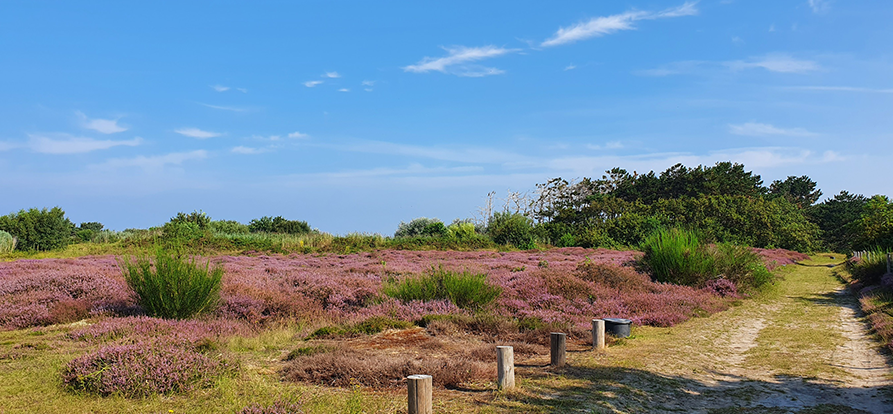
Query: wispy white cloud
[755,129]
[343,90]
[220,88]
[607,145]
[248,150]
[68,144]
[243,90]
[820,6]
[298,135]
[481,155]
[570,67]
[311,84]
[841,89]
[779,63]
[151,163]
[604,25]
[331,75]
[224,108]
[197,133]
[368,83]
[775,63]
[105,126]
[457,62]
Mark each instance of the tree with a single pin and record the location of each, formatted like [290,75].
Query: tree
[836,218]
[800,191]
[39,229]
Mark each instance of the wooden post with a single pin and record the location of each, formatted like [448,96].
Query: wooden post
[505,367]
[419,389]
[598,334]
[558,342]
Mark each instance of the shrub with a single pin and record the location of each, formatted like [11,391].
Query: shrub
[461,231]
[229,227]
[173,286]
[278,224]
[869,268]
[421,226]
[677,256]
[7,242]
[38,229]
[142,369]
[741,265]
[199,218]
[513,229]
[466,290]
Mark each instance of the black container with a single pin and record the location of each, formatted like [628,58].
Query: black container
[617,327]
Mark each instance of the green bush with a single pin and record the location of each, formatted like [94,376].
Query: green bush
[172,287]
[229,227]
[466,290]
[421,226]
[38,229]
[461,231]
[278,224]
[870,267]
[513,229]
[741,265]
[7,242]
[199,218]
[677,256]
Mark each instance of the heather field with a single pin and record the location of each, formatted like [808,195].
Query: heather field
[288,325]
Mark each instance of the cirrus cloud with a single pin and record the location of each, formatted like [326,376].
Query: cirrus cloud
[197,133]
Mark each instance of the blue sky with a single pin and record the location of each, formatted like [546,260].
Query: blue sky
[356,115]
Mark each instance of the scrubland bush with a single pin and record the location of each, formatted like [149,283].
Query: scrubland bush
[38,229]
[677,256]
[143,369]
[278,224]
[740,265]
[421,226]
[461,231]
[869,268]
[513,229]
[466,290]
[7,242]
[229,227]
[172,286]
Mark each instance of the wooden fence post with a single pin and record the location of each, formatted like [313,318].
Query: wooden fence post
[558,342]
[419,389]
[598,334]
[505,367]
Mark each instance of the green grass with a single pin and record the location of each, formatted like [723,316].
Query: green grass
[466,290]
[173,286]
[677,256]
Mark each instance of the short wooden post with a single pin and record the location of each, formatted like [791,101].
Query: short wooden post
[505,367]
[419,388]
[558,342]
[598,334]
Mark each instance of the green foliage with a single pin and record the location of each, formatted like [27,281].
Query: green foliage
[369,326]
[466,290]
[677,256]
[91,225]
[421,226]
[38,229]
[199,218]
[173,286]
[87,231]
[836,218]
[800,191]
[514,229]
[229,227]
[7,242]
[741,265]
[461,231]
[870,267]
[278,224]
[874,228]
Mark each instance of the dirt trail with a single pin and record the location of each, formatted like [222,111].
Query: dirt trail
[804,350]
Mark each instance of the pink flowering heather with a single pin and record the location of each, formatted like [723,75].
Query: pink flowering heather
[143,369]
[774,258]
[174,331]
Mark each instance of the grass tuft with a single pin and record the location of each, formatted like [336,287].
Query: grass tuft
[466,290]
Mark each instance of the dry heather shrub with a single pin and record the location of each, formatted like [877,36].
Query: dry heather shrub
[618,277]
[345,367]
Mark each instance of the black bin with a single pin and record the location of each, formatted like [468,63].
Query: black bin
[618,327]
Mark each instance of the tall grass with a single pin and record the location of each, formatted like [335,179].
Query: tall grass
[173,286]
[869,268]
[677,256]
[7,242]
[741,265]
[466,290]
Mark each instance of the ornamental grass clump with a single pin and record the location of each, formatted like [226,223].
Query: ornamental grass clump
[173,286]
[677,256]
[466,290]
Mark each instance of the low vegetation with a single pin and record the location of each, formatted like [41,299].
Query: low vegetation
[464,289]
[172,286]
